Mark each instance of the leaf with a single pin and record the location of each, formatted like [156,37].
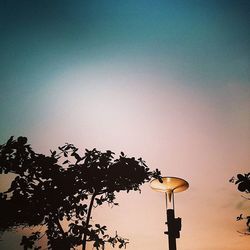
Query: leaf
[22,140]
[53,153]
[240,177]
[10,141]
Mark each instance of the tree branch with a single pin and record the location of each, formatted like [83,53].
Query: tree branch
[57,222]
[87,220]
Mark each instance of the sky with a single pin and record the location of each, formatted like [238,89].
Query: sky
[168,81]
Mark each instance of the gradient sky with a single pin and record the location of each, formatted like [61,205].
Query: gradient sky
[168,81]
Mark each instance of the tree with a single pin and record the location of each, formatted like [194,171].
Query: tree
[64,187]
[243,182]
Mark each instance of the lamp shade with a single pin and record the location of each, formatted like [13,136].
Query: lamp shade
[169,185]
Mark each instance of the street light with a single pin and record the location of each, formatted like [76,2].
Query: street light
[169,186]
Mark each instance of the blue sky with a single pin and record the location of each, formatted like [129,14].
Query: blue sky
[210,38]
[205,42]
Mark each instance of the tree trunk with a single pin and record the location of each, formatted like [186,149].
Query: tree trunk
[84,241]
[64,243]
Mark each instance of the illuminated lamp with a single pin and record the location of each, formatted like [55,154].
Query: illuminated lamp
[169,186]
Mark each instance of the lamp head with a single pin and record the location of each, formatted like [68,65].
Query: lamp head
[169,185]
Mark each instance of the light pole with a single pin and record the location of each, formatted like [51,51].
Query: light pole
[169,186]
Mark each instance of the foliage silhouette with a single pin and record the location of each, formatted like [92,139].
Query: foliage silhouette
[64,187]
[243,182]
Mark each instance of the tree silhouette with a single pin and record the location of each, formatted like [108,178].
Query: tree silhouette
[59,192]
[243,182]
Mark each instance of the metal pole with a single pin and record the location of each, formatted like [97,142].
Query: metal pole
[170,221]
[171,234]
